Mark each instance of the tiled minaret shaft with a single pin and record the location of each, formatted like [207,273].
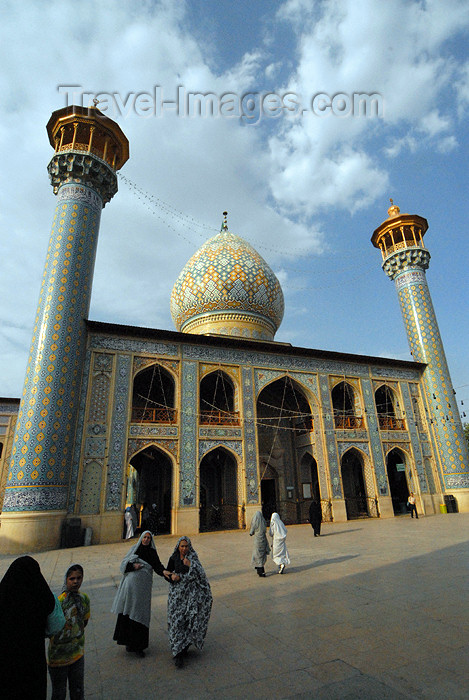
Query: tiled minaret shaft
[89,149]
[405,260]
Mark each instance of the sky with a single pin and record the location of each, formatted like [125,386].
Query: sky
[304,171]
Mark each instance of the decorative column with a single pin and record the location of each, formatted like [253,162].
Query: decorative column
[89,149]
[405,259]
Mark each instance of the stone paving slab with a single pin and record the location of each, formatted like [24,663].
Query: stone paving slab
[373,609]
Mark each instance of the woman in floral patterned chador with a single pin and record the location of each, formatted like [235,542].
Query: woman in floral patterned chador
[189,600]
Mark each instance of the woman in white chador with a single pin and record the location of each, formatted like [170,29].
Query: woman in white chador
[278,532]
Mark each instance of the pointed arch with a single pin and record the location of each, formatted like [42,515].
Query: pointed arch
[218,399]
[219,497]
[150,480]
[346,406]
[354,485]
[284,425]
[397,465]
[388,408]
[153,395]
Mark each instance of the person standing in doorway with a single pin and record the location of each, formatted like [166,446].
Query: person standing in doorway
[315,517]
[413,507]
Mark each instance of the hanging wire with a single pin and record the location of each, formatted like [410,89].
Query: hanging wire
[163,211]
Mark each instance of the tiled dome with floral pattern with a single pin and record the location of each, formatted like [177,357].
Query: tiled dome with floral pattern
[228,285]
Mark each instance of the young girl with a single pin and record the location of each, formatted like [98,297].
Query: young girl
[66,650]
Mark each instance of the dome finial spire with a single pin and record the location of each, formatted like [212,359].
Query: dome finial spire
[393,210]
[224,226]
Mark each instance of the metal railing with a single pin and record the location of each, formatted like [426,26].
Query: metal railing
[344,421]
[391,423]
[153,415]
[219,418]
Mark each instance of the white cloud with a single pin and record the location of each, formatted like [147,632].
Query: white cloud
[395,49]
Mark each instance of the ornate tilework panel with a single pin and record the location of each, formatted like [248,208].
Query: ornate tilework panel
[286,362]
[95,447]
[189,408]
[136,445]
[80,434]
[37,498]
[143,362]
[132,345]
[116,467]
[91,487]
[414,438]
[8,408]
[220,433]
[344,446]
[427,465]
[205,446]
[461,481]
[374,437]
[99,398]
[329,434]
[395,435]
[153,430]
[250,453]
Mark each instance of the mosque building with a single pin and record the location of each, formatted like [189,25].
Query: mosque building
[215,419]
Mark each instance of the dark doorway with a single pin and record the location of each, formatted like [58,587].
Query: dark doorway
[395,466]
[218,492]
[284,419]
[153,485]
[268,498]
[354,485]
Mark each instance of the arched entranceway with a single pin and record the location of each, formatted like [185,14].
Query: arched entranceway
[150,482]
[284,421]
[309,483]
[354,485]
[395,467]
[218,491]
[269,490]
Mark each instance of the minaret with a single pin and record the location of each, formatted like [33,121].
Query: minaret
[89,149]
[405,259]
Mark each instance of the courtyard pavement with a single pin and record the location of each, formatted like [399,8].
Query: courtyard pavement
[372,609]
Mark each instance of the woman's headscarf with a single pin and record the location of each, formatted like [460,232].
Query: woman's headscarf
[24,592]
[73,595]
[139,550]
[192,553]
[277,528]
[24,582]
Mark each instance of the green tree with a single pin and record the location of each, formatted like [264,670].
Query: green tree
[466,433]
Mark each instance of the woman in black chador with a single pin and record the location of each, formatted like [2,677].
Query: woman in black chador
[315,517]
[25,603]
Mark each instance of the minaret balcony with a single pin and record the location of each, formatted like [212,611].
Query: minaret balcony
[219,418]
[391,423]
[345,421]
[140,414]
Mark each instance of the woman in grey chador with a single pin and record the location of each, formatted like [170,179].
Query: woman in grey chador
[132,603]
[261,546]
